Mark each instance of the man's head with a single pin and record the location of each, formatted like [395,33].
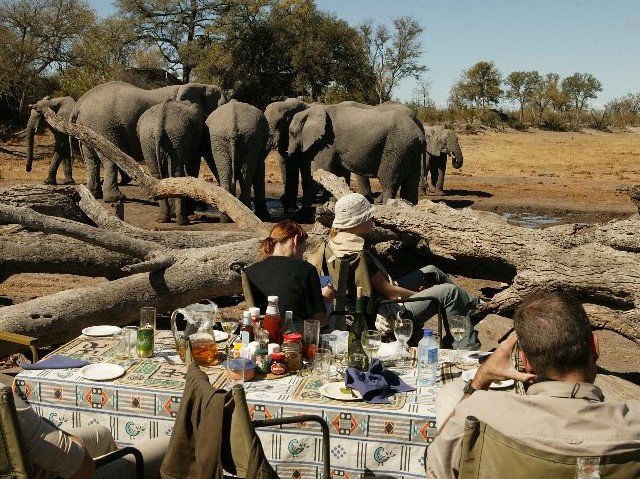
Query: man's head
[555,336]
[352,211]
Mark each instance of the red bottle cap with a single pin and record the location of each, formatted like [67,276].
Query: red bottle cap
[293,337]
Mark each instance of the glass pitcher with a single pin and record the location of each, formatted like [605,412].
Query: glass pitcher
[194,314]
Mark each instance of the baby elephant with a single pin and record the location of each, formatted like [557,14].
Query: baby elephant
[170,135]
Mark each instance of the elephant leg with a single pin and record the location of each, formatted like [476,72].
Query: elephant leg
[409,189]
[53,169]
[422,186]
[441,168]
[364,187]
[432,169]
[180,207]
[109,185]
[292,173]
[259,195]
[67,162]
[308,185]
[92,161]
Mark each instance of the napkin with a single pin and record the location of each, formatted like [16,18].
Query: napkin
[391,351]
[376,384]
[56,361]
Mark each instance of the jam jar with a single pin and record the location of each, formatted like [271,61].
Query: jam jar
[291,349]
[278,363]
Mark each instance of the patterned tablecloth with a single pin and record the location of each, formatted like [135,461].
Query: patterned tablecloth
[366,440]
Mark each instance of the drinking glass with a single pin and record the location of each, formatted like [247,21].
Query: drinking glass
[310,337]
[121,345]
[371,340]
[322,364]
[402,328]
[132,337]
[457,326]
[146,332]
[229,324]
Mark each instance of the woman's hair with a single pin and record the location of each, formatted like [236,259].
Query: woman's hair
[280,233]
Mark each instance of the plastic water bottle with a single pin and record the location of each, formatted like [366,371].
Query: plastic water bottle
[427,359]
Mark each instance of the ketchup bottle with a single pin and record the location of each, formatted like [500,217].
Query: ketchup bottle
[273,321]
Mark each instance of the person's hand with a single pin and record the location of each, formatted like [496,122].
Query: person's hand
[499,366]
[329,292]
[382,324]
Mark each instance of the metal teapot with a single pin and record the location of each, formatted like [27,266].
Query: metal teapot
[194,314]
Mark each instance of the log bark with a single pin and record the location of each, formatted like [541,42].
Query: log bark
[599,264]
[169,187]
[195,275]
[60,201]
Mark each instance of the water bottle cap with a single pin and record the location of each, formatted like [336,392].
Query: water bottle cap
[427,332]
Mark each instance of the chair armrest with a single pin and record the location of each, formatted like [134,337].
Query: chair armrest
[304,418]
[125,451]
[23,340]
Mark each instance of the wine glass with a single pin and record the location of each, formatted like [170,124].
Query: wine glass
[371,340]
[402,328]
[229,325]
[457,326]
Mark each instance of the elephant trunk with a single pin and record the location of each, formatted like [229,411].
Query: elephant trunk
[456,157]
[32,126]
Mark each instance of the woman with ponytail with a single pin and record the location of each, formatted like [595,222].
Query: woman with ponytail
[282,272]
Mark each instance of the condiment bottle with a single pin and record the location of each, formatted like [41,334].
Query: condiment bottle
[246,331]
[272,320]
[263,361]
[358,326]
[291,346]
[254,313]
[262,337]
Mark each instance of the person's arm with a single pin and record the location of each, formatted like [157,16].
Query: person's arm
[388,290]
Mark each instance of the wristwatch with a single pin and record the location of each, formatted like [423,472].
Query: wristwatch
[468,388]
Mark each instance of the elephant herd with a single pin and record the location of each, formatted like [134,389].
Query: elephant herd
[173,127]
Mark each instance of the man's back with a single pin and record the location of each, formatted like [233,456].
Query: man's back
[554,416]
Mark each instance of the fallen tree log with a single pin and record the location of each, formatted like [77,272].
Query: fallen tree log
[195,275]
[600,264]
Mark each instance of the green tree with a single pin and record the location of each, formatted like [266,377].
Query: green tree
[479,85]
[546,93]
[107,48]
[581,87]
[521,87]
[40,35]
[393,55]
[181,30]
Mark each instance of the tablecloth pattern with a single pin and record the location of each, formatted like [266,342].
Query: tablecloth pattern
[365,440]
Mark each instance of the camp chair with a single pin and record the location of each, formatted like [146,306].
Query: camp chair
[13,455]
[23,340]
[350,271]
[489,453]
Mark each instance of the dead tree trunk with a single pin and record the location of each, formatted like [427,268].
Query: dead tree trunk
[599,264]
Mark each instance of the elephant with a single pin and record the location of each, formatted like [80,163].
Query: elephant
[364,185]
[374,142]
[238,136]
[171,139]
[441,142]
[62,106]
[279,115]
[113,109]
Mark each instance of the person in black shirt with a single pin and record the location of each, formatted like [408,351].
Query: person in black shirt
[283,273]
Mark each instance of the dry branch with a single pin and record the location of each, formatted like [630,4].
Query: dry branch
[170,187]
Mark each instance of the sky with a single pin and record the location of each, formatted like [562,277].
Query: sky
[550,36]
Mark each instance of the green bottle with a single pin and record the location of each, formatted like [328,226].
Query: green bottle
[358,326]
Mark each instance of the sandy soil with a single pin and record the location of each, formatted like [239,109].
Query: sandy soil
[539,177]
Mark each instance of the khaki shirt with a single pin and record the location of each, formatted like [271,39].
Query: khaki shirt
[554,416]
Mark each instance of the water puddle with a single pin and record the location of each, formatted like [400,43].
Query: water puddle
[528,220]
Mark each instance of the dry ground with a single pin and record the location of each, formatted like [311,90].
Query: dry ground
[573,177]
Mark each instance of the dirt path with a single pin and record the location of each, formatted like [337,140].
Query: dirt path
[532,178]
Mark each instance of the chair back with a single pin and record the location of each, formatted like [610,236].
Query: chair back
[489,453]
[13,459]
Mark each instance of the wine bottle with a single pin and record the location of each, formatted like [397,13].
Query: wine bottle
[358,326]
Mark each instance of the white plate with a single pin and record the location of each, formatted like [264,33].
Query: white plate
[469,374]
[332,390]
[102,371]
[220,335]
[100,330]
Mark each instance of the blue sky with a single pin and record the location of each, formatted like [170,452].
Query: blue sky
[600,37]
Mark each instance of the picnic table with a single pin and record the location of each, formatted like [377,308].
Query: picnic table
[372,439]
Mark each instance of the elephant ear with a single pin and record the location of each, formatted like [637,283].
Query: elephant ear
[314,127]
[436,141]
